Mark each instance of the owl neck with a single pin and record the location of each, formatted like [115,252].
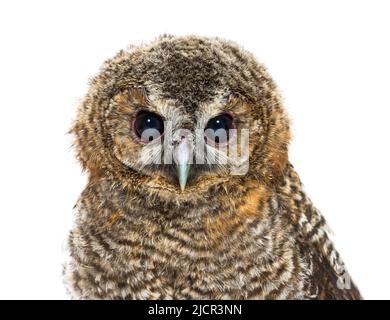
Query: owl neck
[216,217]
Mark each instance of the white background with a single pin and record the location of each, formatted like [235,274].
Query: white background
[331,60]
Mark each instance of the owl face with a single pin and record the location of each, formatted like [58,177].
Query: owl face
[160,138]
[181,116]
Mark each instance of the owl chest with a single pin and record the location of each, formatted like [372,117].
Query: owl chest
[240,269]
[191,273]
[178,265]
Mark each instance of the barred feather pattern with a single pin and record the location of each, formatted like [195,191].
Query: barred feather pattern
[271,254]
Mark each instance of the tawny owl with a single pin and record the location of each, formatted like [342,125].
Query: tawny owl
[191,194]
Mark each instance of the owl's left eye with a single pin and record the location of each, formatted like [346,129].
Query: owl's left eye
[148,126]
[218,128]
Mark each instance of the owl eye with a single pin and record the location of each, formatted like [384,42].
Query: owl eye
[217,129]
[148,126]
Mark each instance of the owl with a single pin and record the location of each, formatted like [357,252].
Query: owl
[190,193]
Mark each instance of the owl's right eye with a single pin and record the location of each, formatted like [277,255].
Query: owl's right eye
[148,126]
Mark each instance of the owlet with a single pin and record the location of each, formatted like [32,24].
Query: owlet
[190,191]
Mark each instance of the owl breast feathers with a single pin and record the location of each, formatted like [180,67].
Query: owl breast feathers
[191,194]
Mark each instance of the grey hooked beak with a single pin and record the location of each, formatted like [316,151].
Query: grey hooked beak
[182,172]
[182,156]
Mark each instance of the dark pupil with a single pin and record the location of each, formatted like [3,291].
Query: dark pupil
[148,126]
[217,129]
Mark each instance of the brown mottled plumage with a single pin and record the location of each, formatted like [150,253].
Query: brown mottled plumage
[138,236]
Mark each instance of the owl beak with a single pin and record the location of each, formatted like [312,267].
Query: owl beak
[182,172]
[182,156]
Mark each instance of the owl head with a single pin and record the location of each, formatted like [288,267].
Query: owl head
[181,118]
